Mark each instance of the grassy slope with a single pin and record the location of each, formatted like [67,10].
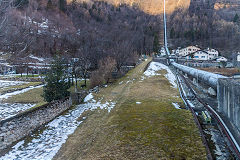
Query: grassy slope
[31,96]
[151,130]
[18,87]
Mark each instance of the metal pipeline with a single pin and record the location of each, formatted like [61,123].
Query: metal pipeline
[206,77]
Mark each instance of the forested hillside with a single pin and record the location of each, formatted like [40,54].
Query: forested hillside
[92,31]
[149,6]
[213,23]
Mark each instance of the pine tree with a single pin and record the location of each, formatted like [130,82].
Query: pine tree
[56,87]
[172,33]
[20,3]
[155,44]
[236,18]
[62,5]
[49,4]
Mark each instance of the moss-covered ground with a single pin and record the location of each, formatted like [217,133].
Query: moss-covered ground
[152,129]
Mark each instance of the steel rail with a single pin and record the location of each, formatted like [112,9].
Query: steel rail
[183,95]
[223,126]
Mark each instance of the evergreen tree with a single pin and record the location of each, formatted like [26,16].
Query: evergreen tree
[155,43]
[236,18]
[20,3]
[49,4]
[56,87]
[62,5]
[172,33]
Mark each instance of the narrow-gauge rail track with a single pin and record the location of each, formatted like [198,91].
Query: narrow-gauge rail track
[186,101]
[220,122]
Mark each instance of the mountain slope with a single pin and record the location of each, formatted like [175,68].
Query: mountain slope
[149,6]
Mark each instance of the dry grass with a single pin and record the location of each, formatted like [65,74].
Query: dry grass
[31,96]
[223,71]
[18,87]
[153,129]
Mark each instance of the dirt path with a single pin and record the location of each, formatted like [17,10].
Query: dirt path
[144,124]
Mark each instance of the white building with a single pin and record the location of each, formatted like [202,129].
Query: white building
[221,59]
[238,57]
[212,53]
[188,50]
[198,55]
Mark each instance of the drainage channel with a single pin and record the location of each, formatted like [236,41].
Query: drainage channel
[213,138]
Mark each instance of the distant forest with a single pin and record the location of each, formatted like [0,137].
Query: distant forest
[205,27]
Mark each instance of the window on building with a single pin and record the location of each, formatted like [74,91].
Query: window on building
[196,56]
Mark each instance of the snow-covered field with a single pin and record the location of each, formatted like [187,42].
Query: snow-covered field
[155,66]
[7,95]
[8,110]
[4,83]
[44,146]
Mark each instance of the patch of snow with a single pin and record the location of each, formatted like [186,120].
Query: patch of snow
[4,83]
[9,110]
[7,95]
[138,102]
[45,145]
[155,66]
[88,97]
[142,78]
[93,104]
[176,105]
[37,58]
[121,82]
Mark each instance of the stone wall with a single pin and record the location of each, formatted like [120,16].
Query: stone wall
[21,125]
[229,100]
[77,97]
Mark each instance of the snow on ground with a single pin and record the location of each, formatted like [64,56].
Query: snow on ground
[95,105]
[155,66]
[88,97]
[138,102]
[9,110]
[7,95]
[4,83]
[45,144]
[176,105]
[37,58]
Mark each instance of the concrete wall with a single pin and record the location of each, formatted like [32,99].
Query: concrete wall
[21,125]
[229,100]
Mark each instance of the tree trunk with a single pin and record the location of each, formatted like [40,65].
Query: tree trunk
[75,82]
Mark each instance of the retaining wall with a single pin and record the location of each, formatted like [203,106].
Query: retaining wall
[229,100]
[21,125]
